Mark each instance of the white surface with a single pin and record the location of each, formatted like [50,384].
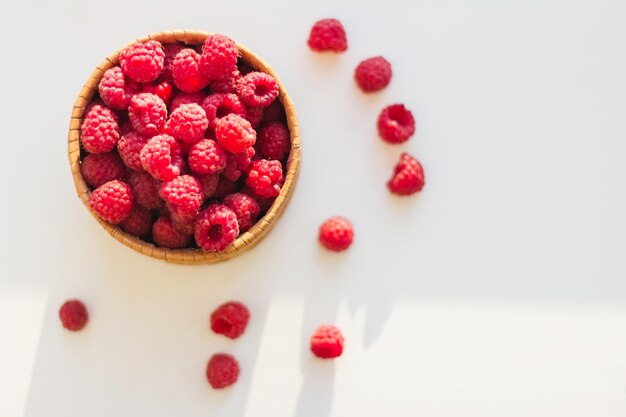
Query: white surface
[499,291]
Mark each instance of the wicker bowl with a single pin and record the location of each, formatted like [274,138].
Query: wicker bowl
[188,256]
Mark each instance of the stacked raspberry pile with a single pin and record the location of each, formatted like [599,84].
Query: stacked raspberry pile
[184,147]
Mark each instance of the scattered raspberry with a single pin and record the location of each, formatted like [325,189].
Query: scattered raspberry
[100,168]
[327,342]
[147,113]
[143,62]
[373,74]
[238,163]
[115,89]
[209,184]
[222,370]
[187,123]
[162,157]
[216,228]
[254,115]
[207,157]
[187,98]
[396,124]
[73,315]
[171,50]
[328,35]
[129,148]
[257,89]
[225,187]
[145,189]
[183,196]
[245,207]
[226,84]
[165,235]
[336,234]
[273,141]
[217,106]
[274,113]
[230,319]
[408,176]
[100,130]
[163,89]
[219,56]
[265,178]
[234,133]
[186,72]
[112,201]
[138,222]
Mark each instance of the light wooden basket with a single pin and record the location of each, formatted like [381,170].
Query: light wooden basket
[188,256]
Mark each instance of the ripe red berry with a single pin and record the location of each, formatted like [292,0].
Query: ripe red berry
[222,370]
[100,168]
[273,141]
[147,113]
[265,178]
[336,234]
[183,196]
[129,148]
[408,176]
[396,124]
[217,106]
[257,89]
[73,315]
[328,35]
[116,89]
[165,235]
[112,201]
[237,164]
[234,133]
[138,222]
[143,62]
[373,74]
[187,123]
[219,56]
[245,207]
[186,72]
[163,89]
[216,228]
[327,342]
[100,130]
[162,157]
[230,319]
[171,50]
[145,189]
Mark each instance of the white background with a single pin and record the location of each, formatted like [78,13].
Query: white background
[500,290]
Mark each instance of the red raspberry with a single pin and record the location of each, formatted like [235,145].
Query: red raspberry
[234,133]
[226,84]
[257,89]
[396,124]
[265,178]
[129,148]
[254,115]
[171,50]
[162,157]
[100,168]
[207,157]
[143,62]
[187,98]
[115,89]
[163,89]
[222,370]
[112,201]
[165,235]
[274,113]
[73,315]
[225,187]
[209,184]
[145,189]
[408,176]
[147,113]
[186,72]
[237,164]
[187,123]
[245,207]
[183,196]
[328,35]
[220,105]
[138,222]
[327,342]
[216,228]
[219,56]
[184,226]
[273,141]
[264,203]
[373,74]
[230,319]
[336,234]
[100,130]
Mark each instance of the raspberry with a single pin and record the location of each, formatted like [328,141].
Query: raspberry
[396,124]
[163,89]
[186,98]
[115,89]
[187,123]
[145,189]
[222,370]
[183,196]
[143,62]
[273,141]
[100,168]
[112,201]
[171,50]
[184,226]
[147,113]
[257,89]
[234,133]
[224,187]
[129,148]
[265,178]
[226,84]
[219,105]
[237,164]
[100,130]
[264,203]
[219,56]
[138,222]
[373,74]
[73,315]
[187,75]
[162,157]
[336,234]
[274,112]
[165,235]
[254,115]
[230,319]
[328,35]
[246,209]
[216,228]
[207,157]
[327,342]
[408,176]
[209,184]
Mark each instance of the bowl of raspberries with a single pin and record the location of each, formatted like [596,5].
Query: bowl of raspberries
[185,146]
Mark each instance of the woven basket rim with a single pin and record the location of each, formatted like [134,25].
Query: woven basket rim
[246,240]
